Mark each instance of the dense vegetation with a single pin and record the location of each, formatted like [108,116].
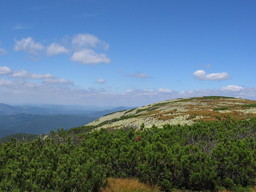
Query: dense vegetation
[19,137]
[203,156]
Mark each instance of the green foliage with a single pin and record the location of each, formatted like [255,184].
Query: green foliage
[249,105]
[220,108]
[203,156]
[128,111]
[79,130]
[216,97]
[153,107]
[116,119]
[19,137]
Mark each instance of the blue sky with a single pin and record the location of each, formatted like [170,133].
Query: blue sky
[131,53]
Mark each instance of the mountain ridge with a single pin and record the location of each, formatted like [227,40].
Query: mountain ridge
[41,120]
[179,111]
[6,109]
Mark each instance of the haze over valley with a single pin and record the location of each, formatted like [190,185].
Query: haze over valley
[45,118]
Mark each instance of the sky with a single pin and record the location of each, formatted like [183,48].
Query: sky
[125,52]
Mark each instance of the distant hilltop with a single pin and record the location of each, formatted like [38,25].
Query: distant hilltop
[179,111]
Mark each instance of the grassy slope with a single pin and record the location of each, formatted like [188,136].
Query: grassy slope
[134,185]
[180,111]
[127,185]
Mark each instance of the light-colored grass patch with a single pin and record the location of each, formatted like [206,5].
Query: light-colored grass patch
[127,185]
[180,111]
[134,185]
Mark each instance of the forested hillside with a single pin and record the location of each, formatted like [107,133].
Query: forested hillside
[39,124]
[203,156]
[43,119]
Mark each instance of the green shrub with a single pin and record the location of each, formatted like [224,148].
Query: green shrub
[202,156]
[220,108]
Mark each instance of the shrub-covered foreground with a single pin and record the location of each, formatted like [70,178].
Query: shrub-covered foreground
[203,156]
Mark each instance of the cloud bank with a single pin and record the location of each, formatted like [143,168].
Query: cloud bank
[21,86]
[45,88]
[23,74]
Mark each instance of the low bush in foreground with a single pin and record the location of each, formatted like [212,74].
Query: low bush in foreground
[203,156]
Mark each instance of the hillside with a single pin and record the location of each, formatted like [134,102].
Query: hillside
[39,124]
[43,119]
[204,156]
[179,111]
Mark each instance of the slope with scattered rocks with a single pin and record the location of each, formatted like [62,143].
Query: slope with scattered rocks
[179,111]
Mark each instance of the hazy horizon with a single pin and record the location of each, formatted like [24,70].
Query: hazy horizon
[66,106]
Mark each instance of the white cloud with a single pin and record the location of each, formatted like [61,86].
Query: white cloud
[84,46]
[26,74]
[23,74]
[18,27]
[55,49]
[202,75]
[30,85]
[199,74]
[233,88]
[230,91]
[28,45]
[57,81]
[85,40]
[88,56]
[101,81]
[40,76]
[88,41]
[164,90]
[130,91]
[5,70]
[4,82]
[140,75]
[141,92]
[3,51]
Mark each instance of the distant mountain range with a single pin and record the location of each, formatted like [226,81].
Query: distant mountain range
[6,109]
[179,111]
[44,118]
